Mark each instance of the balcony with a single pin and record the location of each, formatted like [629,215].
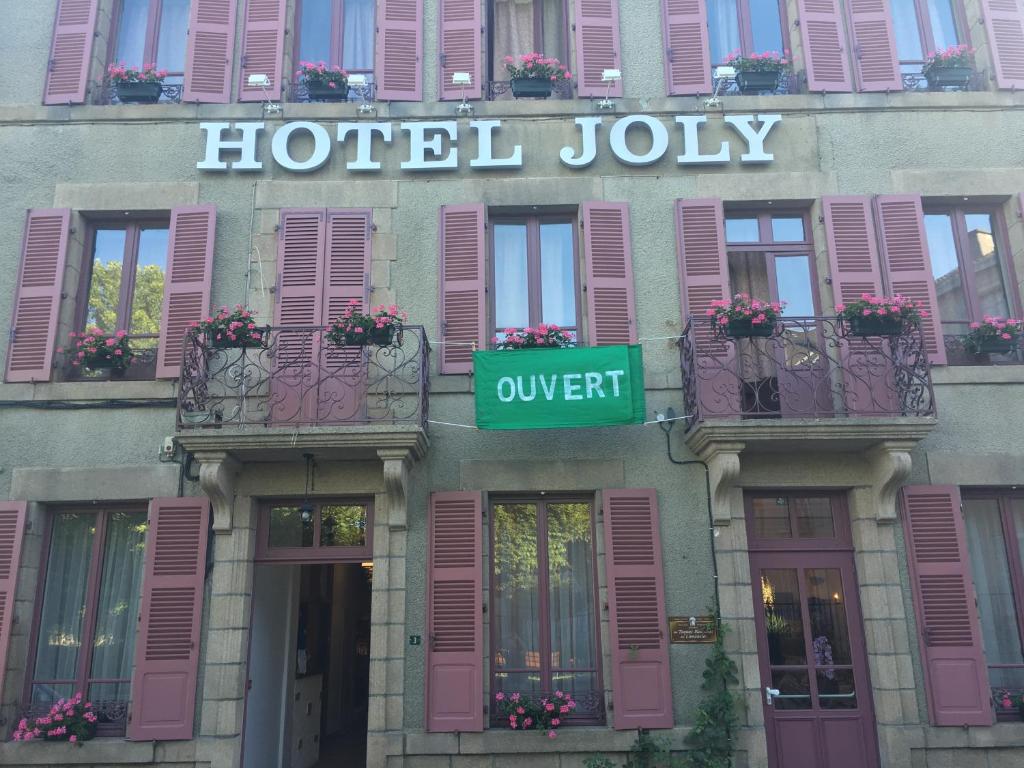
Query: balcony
[298,380]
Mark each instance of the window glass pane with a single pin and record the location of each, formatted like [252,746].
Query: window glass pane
[511,285]
[793,283]
[557,275]
[118,606]
[788,229]
[131,33]
[291,527]
[836,689]
[47,693]
[357,44]
[553,30]
[343,525]
[784,625]
[991,573]
[315,31]
[771,519]
[826,609]
[943,21]
[988,271]
[571,593]
[794,689]
[766,26]
[741,230]
[105,281]
[148,297]
[170,52]
[949,288]
[516,641]
[723,29]
[67,574]
[813,518]
[908,32]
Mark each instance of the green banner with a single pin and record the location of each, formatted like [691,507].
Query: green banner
[553,388]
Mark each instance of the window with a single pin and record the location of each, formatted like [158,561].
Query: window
[995,542]
[922,27]
[84,633]
[744,27]
[535,273]
[152,32]
[337,32]
[518,27]
[322,531]
[970,271]
[544,626]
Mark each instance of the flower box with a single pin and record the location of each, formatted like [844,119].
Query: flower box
[241,343]
[948,77]
[759,81]
[995,347]
[530,88]
[353,328]
[994,336]
[747,329]
[323,92]
[875,325]
[139,93]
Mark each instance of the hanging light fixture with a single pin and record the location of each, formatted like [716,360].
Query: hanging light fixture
[306,510]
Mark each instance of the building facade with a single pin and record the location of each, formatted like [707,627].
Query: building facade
[296,554]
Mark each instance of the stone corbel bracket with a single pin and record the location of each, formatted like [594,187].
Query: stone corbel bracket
[890,467]
[723,460]
[396,483]
[218,473]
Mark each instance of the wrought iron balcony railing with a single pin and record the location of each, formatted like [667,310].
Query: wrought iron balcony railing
[105,92]
[810,367]
[298,379]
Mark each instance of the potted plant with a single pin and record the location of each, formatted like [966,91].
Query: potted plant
[323,83]
[949,67]
[526,714]
[96,350]
[758,72]
[137,86]
[68,720]
[544,336]
[742,317]
[232,329]
[533,75]
[994,336]
[356,329]
[880,315]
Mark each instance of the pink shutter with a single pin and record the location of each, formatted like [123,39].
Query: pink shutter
[641,679]
[209,56]
[187,289]
[299,307]
[597,46]
[901,224]
[704,278]
[461,47]
[607,252]
[463,318]
[342,396]
[874,46]
[12,531]
[687,53]
[170,618]
[37,302]
[71,52]
[955,675]
[262,48]
[455,619]
[1004,23]
[399,52]
[821,31]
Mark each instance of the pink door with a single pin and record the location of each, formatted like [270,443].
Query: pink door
[810,637]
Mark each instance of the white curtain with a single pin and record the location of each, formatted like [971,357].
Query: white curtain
[723,29]
[172,39]
[511,287]
[557,275]
[131,33]
[513,33]
[357,42]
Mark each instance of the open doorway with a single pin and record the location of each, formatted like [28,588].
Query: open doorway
[309,666]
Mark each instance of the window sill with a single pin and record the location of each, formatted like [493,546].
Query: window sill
[99,751]
[943,375]
[92,390]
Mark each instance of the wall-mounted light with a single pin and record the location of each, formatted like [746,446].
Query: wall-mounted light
[722,77]
[263,81]
[359,85]
[610,77]
[464,79]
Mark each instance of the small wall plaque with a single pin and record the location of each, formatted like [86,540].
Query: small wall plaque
[692,629]
[415,640]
